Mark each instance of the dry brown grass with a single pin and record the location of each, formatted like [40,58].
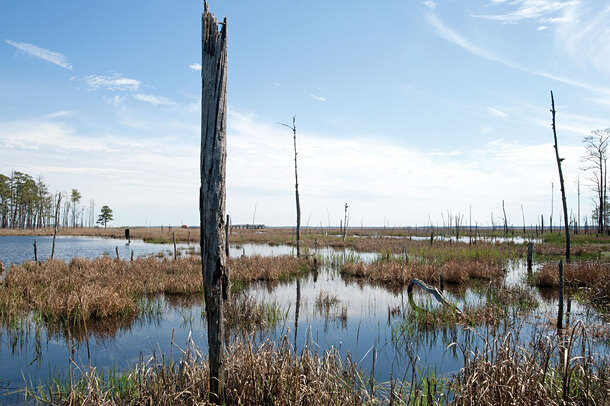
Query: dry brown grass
[596,274]
[389,272]
[259,268]
[547,373]
[268,374]
[85,289]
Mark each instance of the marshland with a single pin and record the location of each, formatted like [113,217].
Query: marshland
[339,324]
[221,261]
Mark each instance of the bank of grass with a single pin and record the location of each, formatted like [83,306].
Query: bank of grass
[590,273]
[393,273]
[498,370]
[83,289]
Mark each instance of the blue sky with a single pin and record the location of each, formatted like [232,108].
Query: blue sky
[405,109]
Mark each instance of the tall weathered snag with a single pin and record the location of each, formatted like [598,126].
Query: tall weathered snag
[212,192]
[296,182]
[563,189]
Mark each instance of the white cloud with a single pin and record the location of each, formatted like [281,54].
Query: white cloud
[430,4]
[496,112]
[318,98]
[542,28]
[49,56]
[373,174]
[156,100]
[112,82]
[486,130]
[195,66]
[114,100]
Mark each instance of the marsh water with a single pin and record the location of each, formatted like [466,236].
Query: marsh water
[357,319]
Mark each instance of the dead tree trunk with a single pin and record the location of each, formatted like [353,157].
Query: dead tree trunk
[212,193]
[563,189]
[345,223]
[296,183]
[55,227]
[505,220]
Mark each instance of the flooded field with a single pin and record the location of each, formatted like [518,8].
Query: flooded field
[389,333]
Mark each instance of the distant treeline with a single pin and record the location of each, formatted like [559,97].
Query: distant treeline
[26,202]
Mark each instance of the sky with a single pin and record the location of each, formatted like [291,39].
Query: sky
[405,110]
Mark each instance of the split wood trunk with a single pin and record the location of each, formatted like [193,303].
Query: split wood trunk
[212,192]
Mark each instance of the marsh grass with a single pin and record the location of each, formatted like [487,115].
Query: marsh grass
[243,313]
[592,274]
[83,290]
[499,369]
[549,371]
[394,273]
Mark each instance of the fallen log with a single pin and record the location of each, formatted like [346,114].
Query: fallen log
[434,292]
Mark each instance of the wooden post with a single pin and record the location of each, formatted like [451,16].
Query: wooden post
[55,227]
[131,255]
[127,236]
[116,249]
[530,254]
[174,240]
[563,189]
[35,253]
[560,312]
[212,199]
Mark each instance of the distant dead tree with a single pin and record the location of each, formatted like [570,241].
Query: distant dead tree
[595,160]
[293,127]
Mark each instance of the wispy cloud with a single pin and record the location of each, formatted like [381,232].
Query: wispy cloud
[544,11]
[156,100]
[602,48]
[430,4]
[451,35]
[496,112]
[195,66]
[112,82]
[318,98]
[44,54]
[58,114]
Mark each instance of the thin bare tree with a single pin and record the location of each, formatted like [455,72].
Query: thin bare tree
[293,127]
[563,189]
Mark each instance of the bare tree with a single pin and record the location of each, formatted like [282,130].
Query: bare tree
[595,160]
[296,182]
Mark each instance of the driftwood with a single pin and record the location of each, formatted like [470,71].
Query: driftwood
[438,295]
